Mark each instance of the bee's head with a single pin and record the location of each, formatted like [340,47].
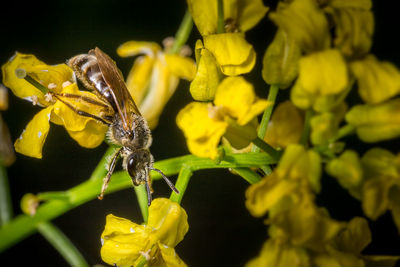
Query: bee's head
[138,165]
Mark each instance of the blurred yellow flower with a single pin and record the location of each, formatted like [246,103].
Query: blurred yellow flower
[155,75]
[58,79]
[376,122]
[226,48]
[235,105]
[377,81]
[285,126]
[125,243]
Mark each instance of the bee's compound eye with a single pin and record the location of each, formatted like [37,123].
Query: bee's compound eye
[131,167]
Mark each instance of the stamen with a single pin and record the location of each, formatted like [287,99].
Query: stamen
[21,74]
[52,86]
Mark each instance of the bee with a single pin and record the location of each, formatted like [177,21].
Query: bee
[127,127]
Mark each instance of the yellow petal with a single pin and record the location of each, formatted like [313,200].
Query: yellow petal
[262,196]
[170,257]
[202,132]
[376,122]
[204,14]
[71,119]
[232,52]
[305,23]
[161,87]
[375,196]
[250,12]
[238,99]
[32,139]
[91,136]
[139,77]
[380,162]
[377,80]
[280,62]
[207,78]
[124,242]
[183,67]
[354,27]
[348,170]
[355,237]
[278,254]
[323,73]
[285,126]
[42,73]
[169,220]
[133,48]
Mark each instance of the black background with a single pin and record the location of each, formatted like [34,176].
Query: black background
[222,233]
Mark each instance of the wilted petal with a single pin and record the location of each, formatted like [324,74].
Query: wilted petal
[133,48]
[32,139]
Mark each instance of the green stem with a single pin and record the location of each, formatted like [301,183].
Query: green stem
[273,92]
[181,183]
[62,244]
[306,128]
[6,212]
[220,20]
[23,225]
[247,174]
[345,131]
[141,195]
[267,148]
[183,33]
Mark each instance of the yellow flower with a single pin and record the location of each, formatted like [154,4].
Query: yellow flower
[227,49]
[235,105]
[155,75]
[322,77]
[59,79]
[376,122]
[285,126]
[125,243]
[377,81]
[303,21]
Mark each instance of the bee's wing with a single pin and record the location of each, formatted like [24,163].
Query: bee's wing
[113,77]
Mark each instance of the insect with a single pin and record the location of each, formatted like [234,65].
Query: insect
[127,128]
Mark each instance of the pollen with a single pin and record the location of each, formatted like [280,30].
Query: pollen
[52,86]
[40,134]
[65,84]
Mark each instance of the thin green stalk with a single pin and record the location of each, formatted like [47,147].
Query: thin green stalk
[6,212]
[220,20]
[183,33]
[141,195]
[247,174]
[62,244]
[24,225]
[181,183]
[273,92]
[266,147]
[345,131]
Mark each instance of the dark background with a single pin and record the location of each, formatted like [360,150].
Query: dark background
[222,233]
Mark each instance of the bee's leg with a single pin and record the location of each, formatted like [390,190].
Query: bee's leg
[81,112]
[83,99]
[111,167]
[169,183]
[149,190]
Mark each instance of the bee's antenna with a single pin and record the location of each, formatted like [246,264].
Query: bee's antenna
[170,184]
